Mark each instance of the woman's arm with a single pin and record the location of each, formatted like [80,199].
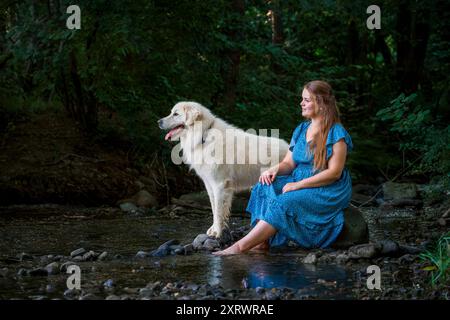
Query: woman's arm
[335,166]
[287,165]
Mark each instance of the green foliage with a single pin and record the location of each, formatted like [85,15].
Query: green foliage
[439,259]
[137,59]
[419,132]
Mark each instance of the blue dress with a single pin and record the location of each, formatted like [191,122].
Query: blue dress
[312,217]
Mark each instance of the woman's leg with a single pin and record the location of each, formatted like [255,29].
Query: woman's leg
[260,233]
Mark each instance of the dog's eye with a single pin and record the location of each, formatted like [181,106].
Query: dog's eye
[175,114]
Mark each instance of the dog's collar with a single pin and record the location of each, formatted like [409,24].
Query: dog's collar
[210,126]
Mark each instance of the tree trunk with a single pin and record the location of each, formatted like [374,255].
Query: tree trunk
[232,56]
[277,33]
[413,31]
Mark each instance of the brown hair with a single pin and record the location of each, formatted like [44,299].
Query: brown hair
[325,106]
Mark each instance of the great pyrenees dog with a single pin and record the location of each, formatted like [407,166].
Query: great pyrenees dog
[226,158]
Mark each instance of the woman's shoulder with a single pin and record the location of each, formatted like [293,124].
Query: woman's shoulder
[338,128]
[338,132]
[301,125]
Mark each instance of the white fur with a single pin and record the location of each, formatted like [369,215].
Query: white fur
[221,180]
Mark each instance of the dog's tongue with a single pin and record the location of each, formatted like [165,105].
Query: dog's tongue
[171,132]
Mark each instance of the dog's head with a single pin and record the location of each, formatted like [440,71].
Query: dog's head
[182,116]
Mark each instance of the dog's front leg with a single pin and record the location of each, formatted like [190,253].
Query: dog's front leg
[223,197]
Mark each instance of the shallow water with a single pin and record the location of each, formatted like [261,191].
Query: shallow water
[123,236]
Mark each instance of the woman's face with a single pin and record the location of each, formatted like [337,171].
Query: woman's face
[307,105]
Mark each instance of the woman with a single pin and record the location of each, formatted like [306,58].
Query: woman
[303,197]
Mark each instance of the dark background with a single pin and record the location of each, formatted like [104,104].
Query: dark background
[78,108]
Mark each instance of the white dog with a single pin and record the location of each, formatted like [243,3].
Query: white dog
[226,158]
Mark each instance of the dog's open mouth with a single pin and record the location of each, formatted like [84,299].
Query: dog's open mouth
[173,131]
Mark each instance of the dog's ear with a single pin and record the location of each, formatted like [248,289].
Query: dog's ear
[192,114]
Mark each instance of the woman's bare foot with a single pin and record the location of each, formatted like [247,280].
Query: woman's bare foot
[263,246]
[234,249]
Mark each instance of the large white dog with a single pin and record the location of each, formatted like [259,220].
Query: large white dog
[226,158]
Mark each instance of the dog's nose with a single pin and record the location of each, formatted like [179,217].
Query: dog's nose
[160,121]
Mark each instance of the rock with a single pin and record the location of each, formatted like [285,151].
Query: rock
[355,230]
[70,294]
[50,288]
[141,254]
[211,244]
[128,207]
[188,249]
[405,249]
[24,257]
[89,256]
[164,249]
[144,199]
[53,268]
[394,191]
[389,248]
[112,297]
[199,240]
[77,252]
[311,258]
[89,296]
[38,272]
[109,283]
[366,251]
[65,265]
[342,258]
[103,256]
[226,237]
[22,272]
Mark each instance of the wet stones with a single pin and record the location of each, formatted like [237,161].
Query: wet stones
[204,242]
[165,249]
[311,258]
[77,252]
[366,251]
[355,230]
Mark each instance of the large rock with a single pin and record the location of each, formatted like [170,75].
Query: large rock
[144,199]
[355,230]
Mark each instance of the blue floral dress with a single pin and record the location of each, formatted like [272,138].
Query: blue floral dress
[312,217]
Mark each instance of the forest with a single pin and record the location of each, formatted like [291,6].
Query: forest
[79,107]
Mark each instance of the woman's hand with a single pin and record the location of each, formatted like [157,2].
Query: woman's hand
[291,186]
[269,175]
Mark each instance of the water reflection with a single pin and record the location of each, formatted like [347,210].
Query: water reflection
[271,271]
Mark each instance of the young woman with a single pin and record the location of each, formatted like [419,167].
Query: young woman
[303,197]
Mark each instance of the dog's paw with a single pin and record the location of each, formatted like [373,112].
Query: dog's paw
[214,231]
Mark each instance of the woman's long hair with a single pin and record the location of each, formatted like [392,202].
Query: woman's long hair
[325,106]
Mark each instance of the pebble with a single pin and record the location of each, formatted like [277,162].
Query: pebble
[103,256]
[311,258]
[109,283]
[77,252]
[53,268]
